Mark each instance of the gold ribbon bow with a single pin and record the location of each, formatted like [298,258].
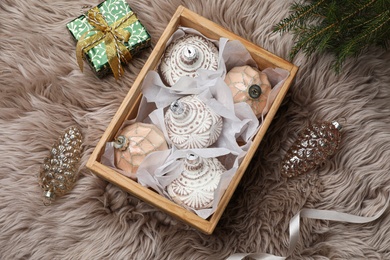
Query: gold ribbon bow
[114,37]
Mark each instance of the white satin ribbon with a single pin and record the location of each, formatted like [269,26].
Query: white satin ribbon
[311,214]
[262,256]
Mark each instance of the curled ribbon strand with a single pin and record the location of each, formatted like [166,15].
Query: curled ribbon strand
[114,37]
[311,214]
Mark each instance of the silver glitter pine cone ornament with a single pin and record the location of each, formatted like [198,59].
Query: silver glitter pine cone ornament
[197,183]
[191,123]
[313,146]
[58,173]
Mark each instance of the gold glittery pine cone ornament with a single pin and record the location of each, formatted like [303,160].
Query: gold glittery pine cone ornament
[314,145]
[58,173]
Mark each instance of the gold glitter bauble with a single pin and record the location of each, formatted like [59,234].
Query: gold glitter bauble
[313,146]
[58,173]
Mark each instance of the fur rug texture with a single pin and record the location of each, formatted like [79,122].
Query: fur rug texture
[43,92]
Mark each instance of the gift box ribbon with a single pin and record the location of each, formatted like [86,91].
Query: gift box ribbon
[114,37]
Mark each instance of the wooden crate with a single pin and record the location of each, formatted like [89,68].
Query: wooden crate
[129,107]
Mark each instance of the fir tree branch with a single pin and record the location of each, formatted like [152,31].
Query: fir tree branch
[366,22]
[300,13]
[359,10]
[345,28]
[375,27]
[364,39]
[303,43]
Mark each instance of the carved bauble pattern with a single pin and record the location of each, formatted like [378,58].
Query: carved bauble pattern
[249,85]
[197,182]
[191,123]
[58,173]
[312,147]
[185,56]
[134,143]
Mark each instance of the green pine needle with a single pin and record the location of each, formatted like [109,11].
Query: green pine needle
[345,28]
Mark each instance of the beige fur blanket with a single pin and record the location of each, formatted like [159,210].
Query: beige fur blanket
[42,92]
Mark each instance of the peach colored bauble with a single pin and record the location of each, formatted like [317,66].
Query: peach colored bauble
[249,85]
[134,143]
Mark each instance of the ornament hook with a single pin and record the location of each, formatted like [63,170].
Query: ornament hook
[121,143]
[254,91]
